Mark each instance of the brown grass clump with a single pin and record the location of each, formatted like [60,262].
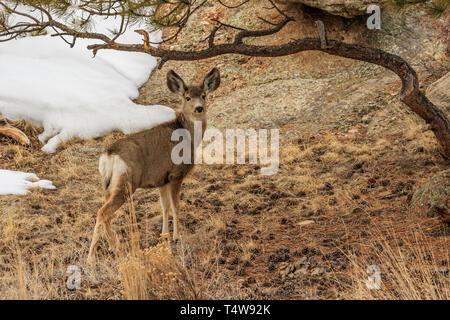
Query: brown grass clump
[410,268]
[155,272]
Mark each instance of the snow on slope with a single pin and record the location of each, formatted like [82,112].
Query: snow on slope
[72,94]
[16,182]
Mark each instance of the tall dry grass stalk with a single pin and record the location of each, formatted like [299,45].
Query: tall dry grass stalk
[155,272]
[409,269]
[21,276]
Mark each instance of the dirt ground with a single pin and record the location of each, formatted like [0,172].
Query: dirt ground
[351,157]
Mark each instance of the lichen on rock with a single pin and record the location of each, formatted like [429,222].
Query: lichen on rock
[434,197]
[439,93]
[343,8]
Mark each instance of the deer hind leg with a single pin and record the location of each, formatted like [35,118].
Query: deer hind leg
[115,200]
[95,238]
[174,199]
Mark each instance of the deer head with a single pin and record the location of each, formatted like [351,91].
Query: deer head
[193,98]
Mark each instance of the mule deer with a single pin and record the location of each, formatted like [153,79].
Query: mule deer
[143,159]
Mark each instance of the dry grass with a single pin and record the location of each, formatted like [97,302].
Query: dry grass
[411,268]
[155,272]
[230,233]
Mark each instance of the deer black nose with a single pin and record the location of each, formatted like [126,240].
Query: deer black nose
[199,109]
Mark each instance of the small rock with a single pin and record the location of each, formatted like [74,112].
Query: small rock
[305,223]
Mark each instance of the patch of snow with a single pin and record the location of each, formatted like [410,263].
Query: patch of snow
[71,94]
[16,182]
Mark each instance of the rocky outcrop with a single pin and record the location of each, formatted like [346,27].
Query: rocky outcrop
[439,93]
[433,199]
[343,8]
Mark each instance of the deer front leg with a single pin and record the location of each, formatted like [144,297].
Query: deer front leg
[165,205]
[174,188]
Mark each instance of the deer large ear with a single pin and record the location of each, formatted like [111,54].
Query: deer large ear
[175,83]
[212,81]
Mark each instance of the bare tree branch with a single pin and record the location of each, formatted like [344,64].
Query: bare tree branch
[410,93]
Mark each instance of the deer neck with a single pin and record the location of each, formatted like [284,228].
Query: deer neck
[193,126]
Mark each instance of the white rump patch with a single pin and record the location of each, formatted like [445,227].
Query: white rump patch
[112,167]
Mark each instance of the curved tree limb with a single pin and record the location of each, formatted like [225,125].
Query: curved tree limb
[410,93]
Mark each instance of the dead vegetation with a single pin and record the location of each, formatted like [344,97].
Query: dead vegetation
[9,131]
[245,237]
[411,267]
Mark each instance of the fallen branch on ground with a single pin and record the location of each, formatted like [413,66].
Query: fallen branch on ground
[7,130]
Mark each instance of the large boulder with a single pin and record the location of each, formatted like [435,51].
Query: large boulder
[433,199]
[343,8]
[439,93]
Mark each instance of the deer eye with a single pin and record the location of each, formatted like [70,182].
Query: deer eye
[204,96]
[188,99]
